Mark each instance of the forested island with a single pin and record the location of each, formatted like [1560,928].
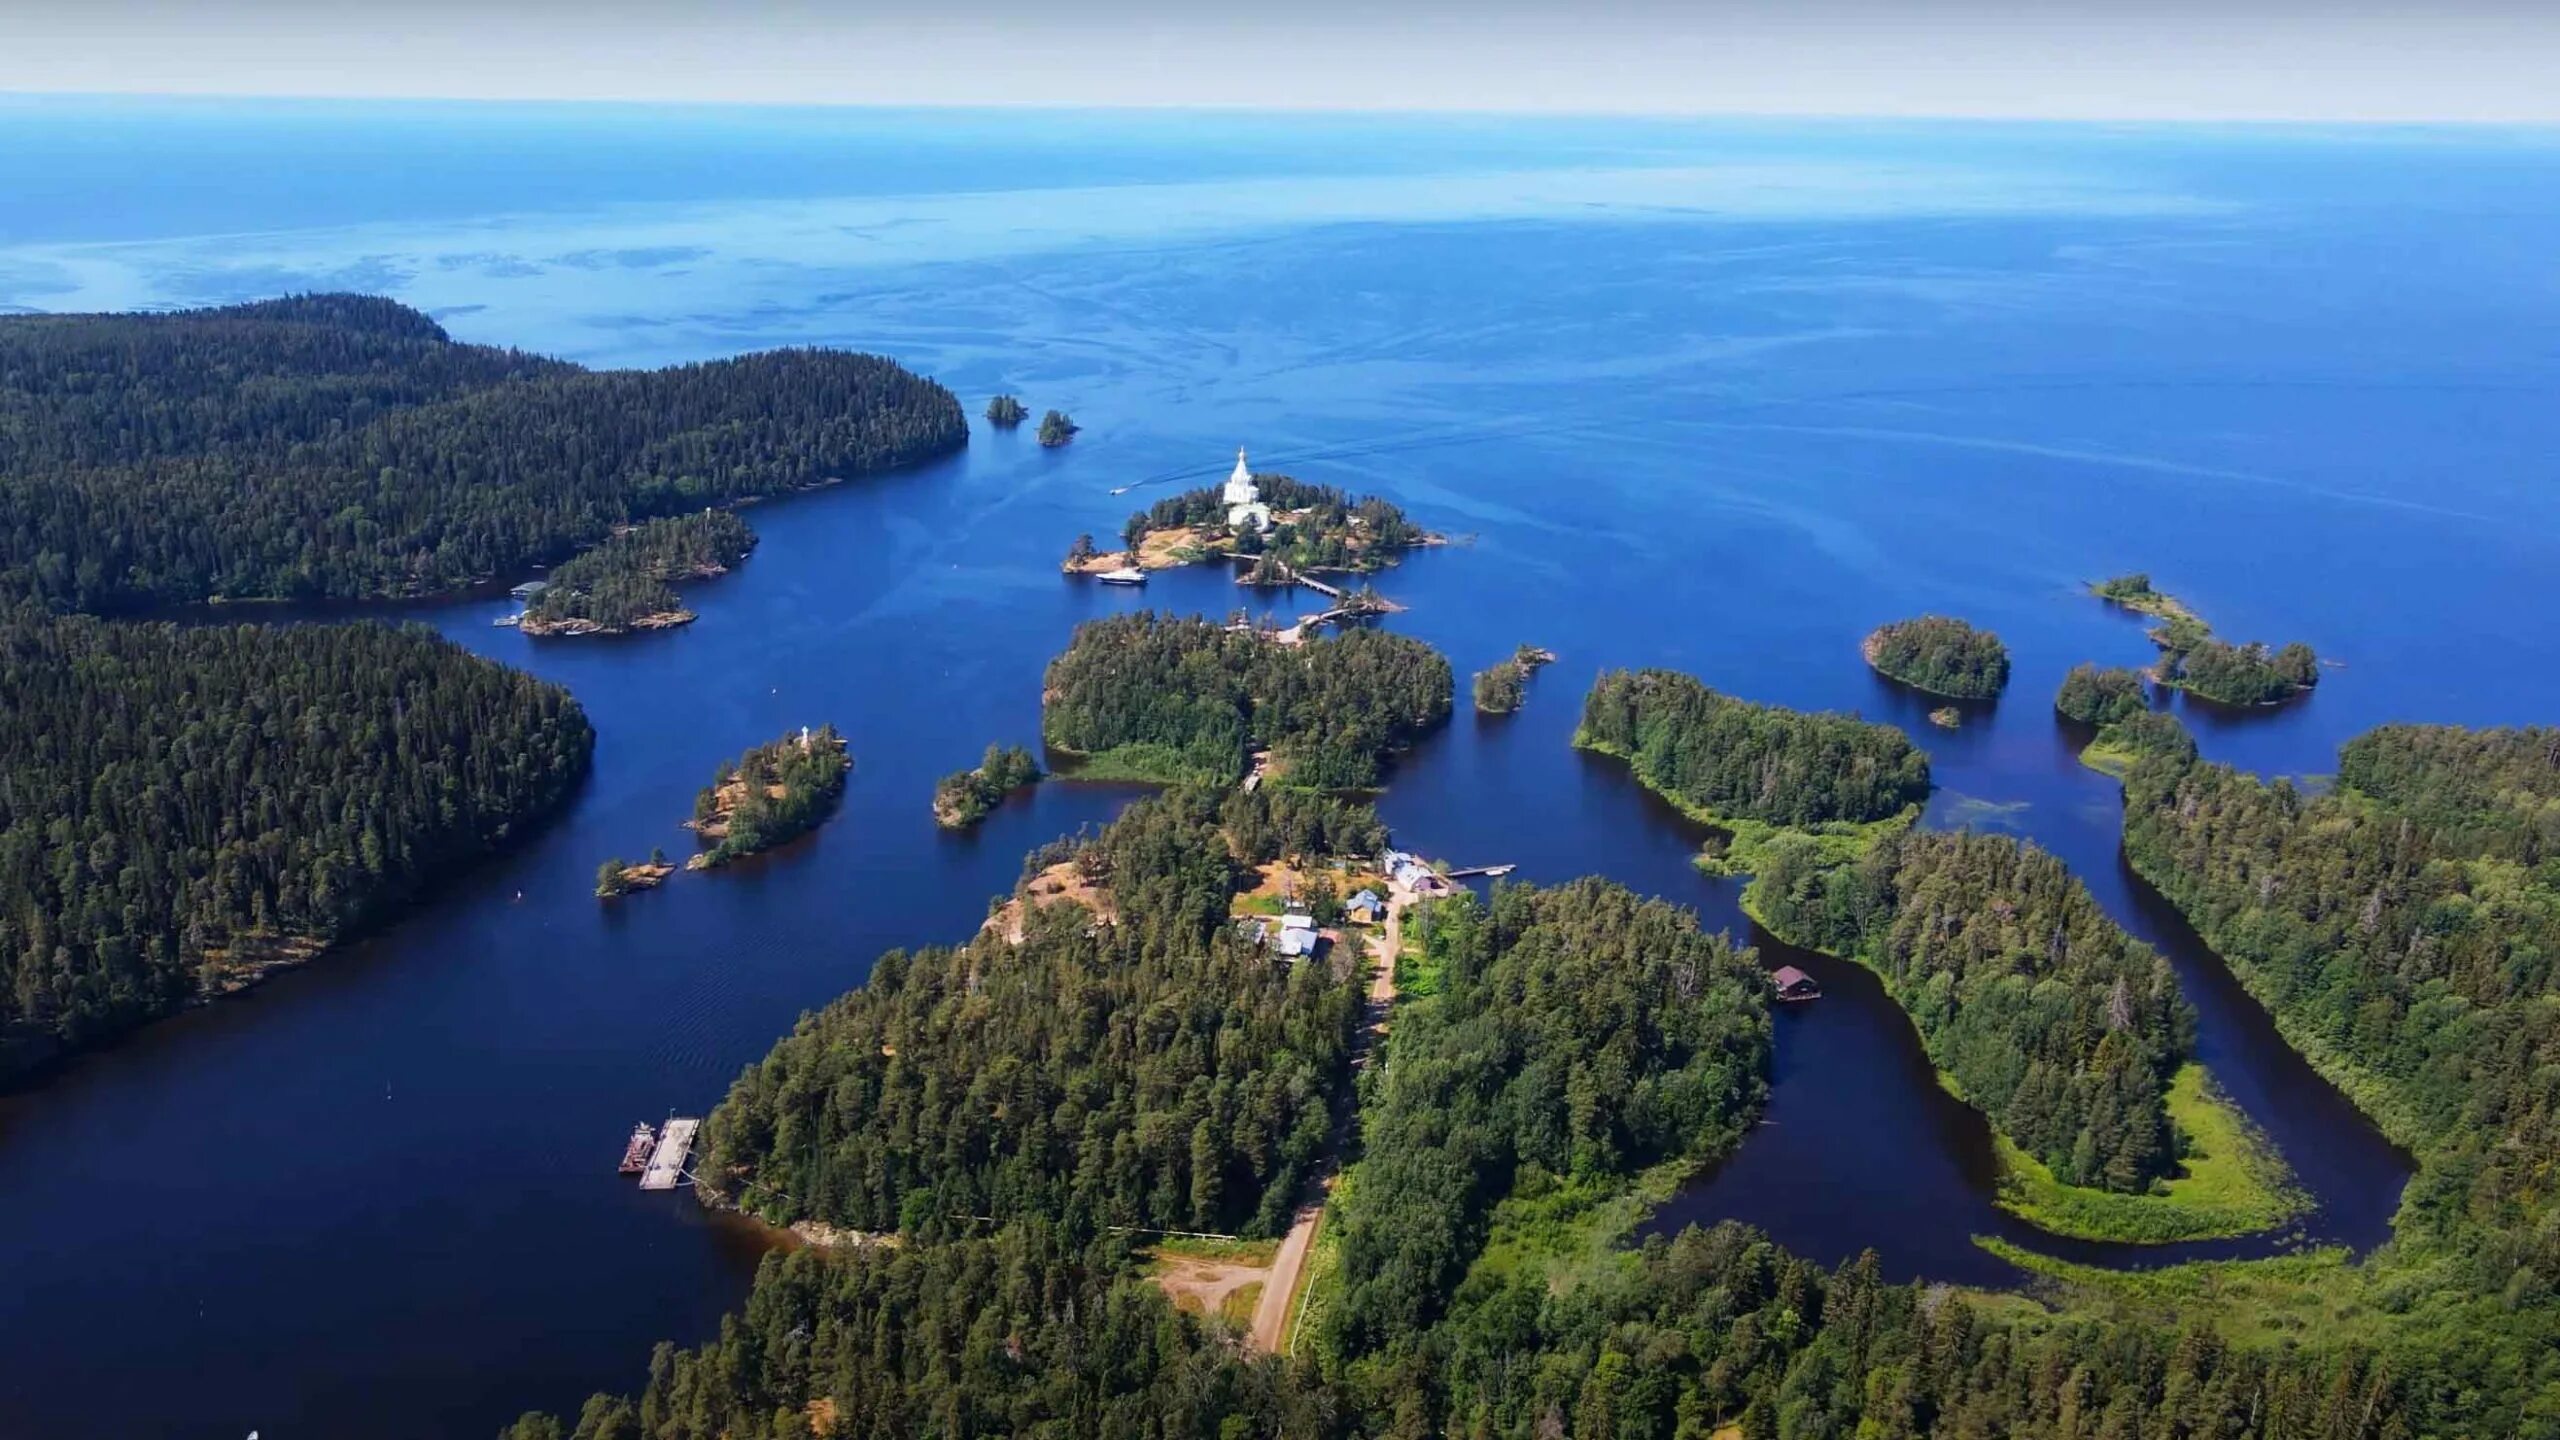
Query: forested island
[966,797]
[1753,770]
[1501,689]
[1286,526]
[1941,655]
[183,809]
[345,447]
[622,584]
[2192,659]
[1154,697]
[1005,411]
[1056,429]
[769,795]
[2101,696]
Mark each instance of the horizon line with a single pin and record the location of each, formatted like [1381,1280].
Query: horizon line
[1178,107]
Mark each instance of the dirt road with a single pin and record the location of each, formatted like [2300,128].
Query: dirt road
[1289,1266]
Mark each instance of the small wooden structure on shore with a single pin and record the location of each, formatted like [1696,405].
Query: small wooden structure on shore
[675,1146]
[1794,984]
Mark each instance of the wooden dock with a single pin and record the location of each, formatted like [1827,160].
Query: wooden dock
[675,1146]
[1479,870]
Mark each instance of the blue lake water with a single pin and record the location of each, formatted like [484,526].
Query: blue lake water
[1714,396]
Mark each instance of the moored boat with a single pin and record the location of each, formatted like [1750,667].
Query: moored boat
[1126,575]
[635,1156]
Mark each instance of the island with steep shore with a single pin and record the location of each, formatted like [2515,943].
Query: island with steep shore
[770,794]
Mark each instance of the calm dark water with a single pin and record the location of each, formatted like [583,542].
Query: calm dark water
[1718,398]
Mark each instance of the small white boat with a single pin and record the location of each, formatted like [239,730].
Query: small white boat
[1124,576]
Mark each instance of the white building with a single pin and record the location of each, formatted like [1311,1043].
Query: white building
[1244,498]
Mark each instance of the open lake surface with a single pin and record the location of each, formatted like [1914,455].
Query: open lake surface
[1720,397]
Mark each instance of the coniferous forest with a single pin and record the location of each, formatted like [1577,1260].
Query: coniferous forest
[344,446]
[965,797]
[2051,1020]
[1578,1035]
[2096,696]
[624,580]
[770,794]
[1156,1069]
[180,807]
[1941,655]
[1159,697]
[1711,752]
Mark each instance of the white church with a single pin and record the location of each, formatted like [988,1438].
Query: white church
[1244,498]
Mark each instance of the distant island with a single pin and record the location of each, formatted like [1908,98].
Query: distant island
[1159,698]
[345,447]
[1287,527]
[2192,659]
[1946,717]
[1941,655]
[1754,771]
[1502,688]
[1004,412]
[1056,429]
[771,794]
[621,585]
[966,797]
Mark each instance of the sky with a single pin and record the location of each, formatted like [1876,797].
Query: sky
[2341,60]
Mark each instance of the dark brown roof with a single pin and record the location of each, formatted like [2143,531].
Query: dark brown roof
[1789,977]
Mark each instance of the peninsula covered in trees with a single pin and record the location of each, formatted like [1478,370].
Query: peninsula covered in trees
[345,447]
[2043,1014]
[966,797]
[622,584]
[1754,769]
[769,795]
[1156,1070]
[1578,1037]
[1501,689]
[1154,697]
[182,809]
[1941,655]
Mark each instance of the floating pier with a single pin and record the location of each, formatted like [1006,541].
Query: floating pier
[1479,870]
[675,1146]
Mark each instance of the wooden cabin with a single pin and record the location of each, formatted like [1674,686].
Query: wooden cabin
[1794,984]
